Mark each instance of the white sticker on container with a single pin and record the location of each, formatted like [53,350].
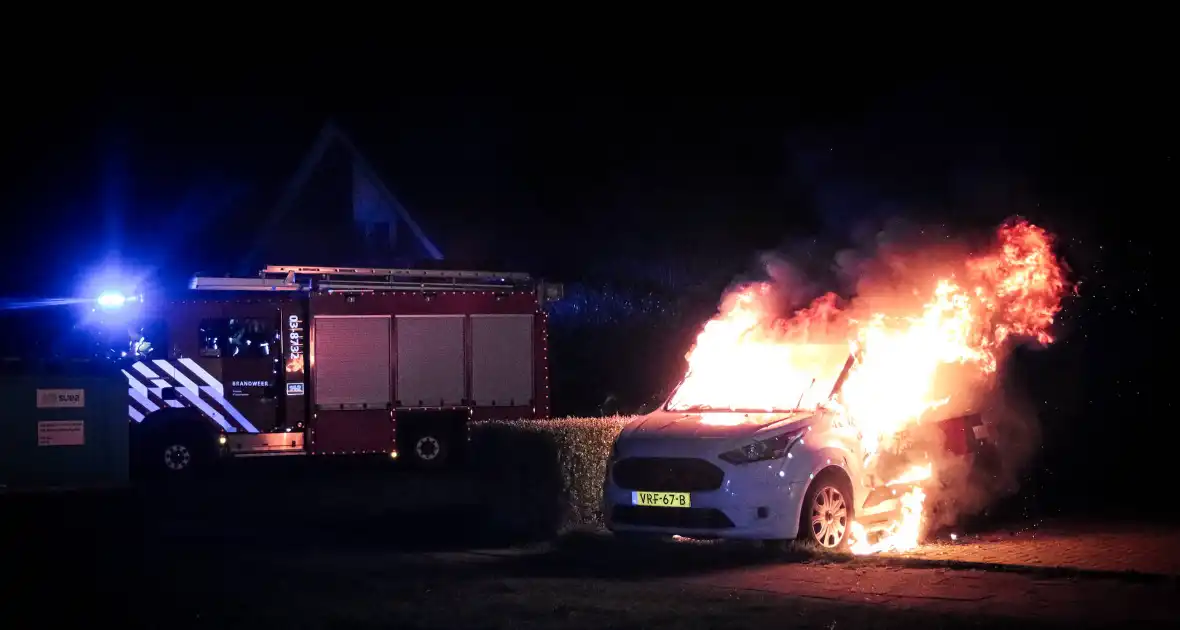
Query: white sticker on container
[60,398]
[61,433]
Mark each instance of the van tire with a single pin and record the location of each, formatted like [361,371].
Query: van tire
[829,499]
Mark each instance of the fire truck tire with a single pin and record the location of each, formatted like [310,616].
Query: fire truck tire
[430,450]
[826,517]
[177,453]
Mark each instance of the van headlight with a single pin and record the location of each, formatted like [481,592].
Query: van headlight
[765,449]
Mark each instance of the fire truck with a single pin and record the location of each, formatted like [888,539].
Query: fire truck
[331,360]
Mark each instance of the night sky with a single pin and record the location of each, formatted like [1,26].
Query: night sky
[576,171]
[553,156]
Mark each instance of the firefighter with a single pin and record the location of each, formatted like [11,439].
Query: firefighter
[237,337]
[139,346]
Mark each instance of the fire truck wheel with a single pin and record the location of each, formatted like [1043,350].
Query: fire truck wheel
[826,517]
[177,454]
[177,457]
[430,450]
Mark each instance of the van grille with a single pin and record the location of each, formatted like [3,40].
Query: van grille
[667,474]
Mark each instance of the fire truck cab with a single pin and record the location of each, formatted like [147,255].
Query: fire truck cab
[329,360]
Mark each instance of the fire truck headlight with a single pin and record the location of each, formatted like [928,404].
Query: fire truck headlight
[111,299]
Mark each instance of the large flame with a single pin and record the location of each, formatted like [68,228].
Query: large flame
[961,312]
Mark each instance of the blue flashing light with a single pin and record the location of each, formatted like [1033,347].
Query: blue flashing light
[111,299]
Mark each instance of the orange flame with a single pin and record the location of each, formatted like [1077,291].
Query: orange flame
[964,312]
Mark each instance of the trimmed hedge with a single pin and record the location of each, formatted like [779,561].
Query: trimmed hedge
[543,477]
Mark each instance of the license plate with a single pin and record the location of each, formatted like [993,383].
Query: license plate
[661,499]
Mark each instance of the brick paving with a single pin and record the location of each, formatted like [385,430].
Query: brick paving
[1149,549]
[1074,602]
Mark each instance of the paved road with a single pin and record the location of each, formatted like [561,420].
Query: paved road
[1074,544]
[1072,598]
[966,592]
[195,562]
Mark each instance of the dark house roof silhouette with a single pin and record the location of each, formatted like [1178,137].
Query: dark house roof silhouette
[373,205]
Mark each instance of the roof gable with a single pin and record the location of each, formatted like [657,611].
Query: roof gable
[374,206]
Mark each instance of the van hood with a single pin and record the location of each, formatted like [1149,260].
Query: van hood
[667,424]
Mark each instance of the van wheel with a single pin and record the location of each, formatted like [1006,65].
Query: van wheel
[826,517]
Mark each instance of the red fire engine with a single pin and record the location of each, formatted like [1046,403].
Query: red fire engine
[327,360]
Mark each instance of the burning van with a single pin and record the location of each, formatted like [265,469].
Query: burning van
[721,471]
[831,422]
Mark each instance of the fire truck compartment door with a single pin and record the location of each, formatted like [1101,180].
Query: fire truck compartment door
[430,360]
[502,360]
[351,361]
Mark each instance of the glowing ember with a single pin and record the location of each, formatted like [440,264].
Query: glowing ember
[902,332]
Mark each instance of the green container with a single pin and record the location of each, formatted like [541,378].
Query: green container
[62,425]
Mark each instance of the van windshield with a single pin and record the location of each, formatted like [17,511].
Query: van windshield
[796,377]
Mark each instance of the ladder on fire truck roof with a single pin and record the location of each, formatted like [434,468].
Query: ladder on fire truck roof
[294,278]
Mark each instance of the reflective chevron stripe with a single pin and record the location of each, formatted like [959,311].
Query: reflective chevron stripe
[148,382]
